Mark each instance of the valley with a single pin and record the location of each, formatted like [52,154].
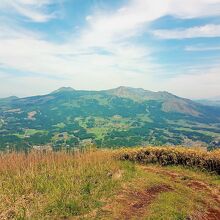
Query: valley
[111,118]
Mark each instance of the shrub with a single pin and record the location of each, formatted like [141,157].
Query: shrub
[173,156]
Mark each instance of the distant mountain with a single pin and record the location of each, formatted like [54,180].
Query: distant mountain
[140,94]
[209,102]
[117,117]
[171,103]
[8,99]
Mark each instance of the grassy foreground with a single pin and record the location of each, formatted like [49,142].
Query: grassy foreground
[96,185]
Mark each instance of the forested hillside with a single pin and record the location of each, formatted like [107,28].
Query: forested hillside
[119,117]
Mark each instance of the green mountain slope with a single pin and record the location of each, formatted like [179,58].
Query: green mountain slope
[118,117]
[170,102]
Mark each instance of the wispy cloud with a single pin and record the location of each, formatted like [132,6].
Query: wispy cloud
[202,48]
[133,18]
[107,65]
[194,8]
[35,10]
[209,30]
[203,84]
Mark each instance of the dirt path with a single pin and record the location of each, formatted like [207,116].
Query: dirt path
[214,193]
[141,200]
[134,203]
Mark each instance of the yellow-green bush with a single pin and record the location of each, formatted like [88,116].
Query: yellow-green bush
[173,156]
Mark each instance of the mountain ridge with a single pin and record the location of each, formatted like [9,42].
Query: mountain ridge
[170,102]
[70,89]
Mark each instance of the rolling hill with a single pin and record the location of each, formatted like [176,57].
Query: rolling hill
[118,117]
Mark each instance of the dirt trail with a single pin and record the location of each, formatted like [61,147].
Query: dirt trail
[159,170]
[210,214]
[198,185]
[141,200]
[134,203]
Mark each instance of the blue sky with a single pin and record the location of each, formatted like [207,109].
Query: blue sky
[158,45]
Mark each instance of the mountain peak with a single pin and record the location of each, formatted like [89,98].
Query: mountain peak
[127,88]
[63,89]
[140,94]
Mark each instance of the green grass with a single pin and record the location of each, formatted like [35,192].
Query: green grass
[170,206]
[60,125]
[209,133]
[30,132]
[34,131]
[103,126]
[98,132]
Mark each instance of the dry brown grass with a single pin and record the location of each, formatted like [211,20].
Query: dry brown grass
[40,185]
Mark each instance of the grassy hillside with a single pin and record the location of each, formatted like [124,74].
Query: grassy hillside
[96,184]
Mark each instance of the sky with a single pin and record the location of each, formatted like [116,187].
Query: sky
[160,45]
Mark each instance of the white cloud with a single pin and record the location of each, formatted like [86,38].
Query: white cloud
[133,18]
[209,30]
[203,84]
[68,58]
[88,18]
[34,10]
[194,8]
[72,63]
[102,56]
[202,48]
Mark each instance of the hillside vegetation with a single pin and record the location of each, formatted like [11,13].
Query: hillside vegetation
[174,156]
[119,117]
[106,184]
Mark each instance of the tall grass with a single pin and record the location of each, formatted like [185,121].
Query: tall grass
[56,184]
[173,156]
